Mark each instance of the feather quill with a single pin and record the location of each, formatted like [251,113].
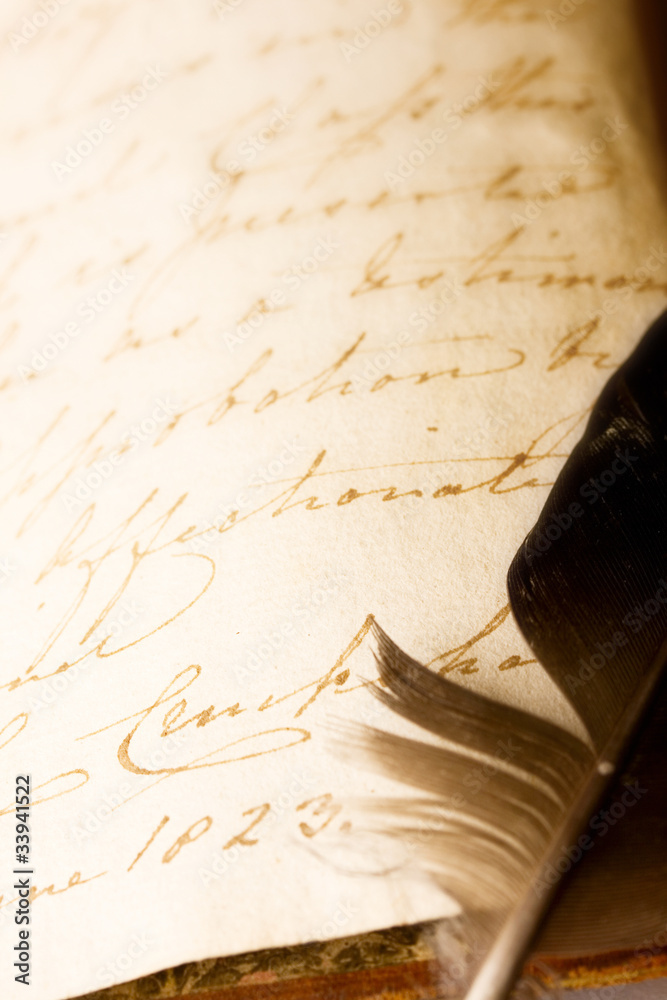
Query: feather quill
[588,590]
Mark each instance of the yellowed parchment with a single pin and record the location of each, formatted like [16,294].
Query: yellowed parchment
[303,305]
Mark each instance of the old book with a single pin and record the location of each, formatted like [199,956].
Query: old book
[304,308]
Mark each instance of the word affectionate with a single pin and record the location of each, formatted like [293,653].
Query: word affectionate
[93,137]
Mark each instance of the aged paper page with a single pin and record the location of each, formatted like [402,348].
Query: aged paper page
[303,307]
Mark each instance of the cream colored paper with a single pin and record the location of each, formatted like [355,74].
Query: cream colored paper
[303,306]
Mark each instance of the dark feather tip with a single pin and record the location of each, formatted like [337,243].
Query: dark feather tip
[588,587]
